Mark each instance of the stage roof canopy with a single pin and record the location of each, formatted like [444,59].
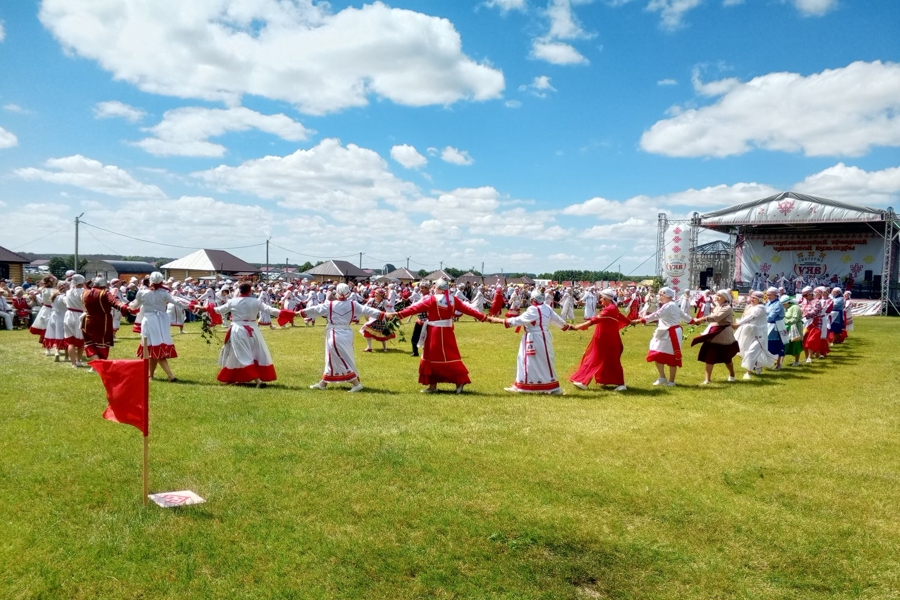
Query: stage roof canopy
[790,208]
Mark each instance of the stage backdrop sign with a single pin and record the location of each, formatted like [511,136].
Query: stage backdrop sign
[676,264]
[809,255]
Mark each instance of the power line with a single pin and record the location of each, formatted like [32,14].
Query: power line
[102,244]
[66,226]
[169,245]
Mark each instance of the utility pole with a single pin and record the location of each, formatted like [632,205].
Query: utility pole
[482,268]
[360,260]
[407,263]
[75,266]
[267,259]
[442,265]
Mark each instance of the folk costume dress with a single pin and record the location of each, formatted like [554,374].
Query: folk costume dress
[837,321]
[602,359]
[718,343]
[813,339]
[54,336]
[245,356]
[39,327]
[589,299]
[265,317]
[535,364]
[72,321]
[155,326]
[441,361]
[115,313]
[374,327]
[97,326]
[634,306]
[567,306]
[848,316]
[793,321]
[497,303]
[752,337]
[176,311]
[776,332]
[208,299]
[665,345]
[339,315]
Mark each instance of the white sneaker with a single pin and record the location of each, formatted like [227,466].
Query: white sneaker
[579,385]
[759,370]
[459,388]
[356,388]
[796,363]
[318,386]
[705,382]
[427,391]
[47,352]
[661,381]
[747,375]
[513,389]
[555,392]
[670,384]
[730,379]
[621,388]
[808,360]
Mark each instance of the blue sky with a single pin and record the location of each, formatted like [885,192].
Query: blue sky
[522,134]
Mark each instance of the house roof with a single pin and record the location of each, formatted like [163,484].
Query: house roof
[402,274]
[337,268]
[440,273]
[8,256]
[790,208]
[470,278]
[218,261]
[120,266]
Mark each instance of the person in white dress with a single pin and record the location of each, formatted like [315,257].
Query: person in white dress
[685,302]
[176,311]
[752,336]
[478,301]
[245,357]
[589,300]
[265,317]
[665,345]
[39,327]
[536,362]
[155,327]
[55,335]
[567,306]
[649,306]
[72,323]
[340,358]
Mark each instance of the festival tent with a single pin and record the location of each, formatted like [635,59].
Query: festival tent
[207,263]
[337,269]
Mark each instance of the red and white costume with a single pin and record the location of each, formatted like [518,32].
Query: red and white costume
[176,311]
[665,345]
[339,315]
[54,336]
[39,326]
[245,356]
[752,338]
[634,306]
[441,361]
[373,328]
[208,300]
[155,326]
[497,302]
[74,314]
[535,363]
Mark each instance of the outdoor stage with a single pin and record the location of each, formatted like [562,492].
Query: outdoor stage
[784,238]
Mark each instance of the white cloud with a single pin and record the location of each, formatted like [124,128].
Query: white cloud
[839,112]
[854,185]
[506,5]
[328,178]
[2,32]
[666,82]
[116,109]
[92,175]
[185,131]
[456,157]
[732,2]
[564,24]
[7,139]
[562,256]
[557,53]
[713,88]
[815,8]
[539,87]
[14,108]
[512,104]
[672,11]
[408,156]
[297,52]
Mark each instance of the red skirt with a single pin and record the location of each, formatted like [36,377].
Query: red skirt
[602,361]
[158,352]
[441,362]
[814,342]
[247,374]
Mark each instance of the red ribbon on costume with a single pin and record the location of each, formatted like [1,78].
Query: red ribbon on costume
[676,341]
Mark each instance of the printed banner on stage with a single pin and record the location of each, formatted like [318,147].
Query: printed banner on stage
[812,256]
[676,257]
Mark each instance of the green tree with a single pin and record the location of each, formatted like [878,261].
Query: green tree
[58,265]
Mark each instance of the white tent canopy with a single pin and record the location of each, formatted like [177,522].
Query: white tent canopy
[790,208]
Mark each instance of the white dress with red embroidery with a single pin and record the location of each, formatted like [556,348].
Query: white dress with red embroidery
[245,355]
[665,345]
[54,336]
[155,326]
[39,327]
[339,315]
[752,337]
[535,364]
[74,314]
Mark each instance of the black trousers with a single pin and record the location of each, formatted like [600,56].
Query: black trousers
[417,331]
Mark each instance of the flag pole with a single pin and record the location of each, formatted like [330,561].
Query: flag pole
[146,419]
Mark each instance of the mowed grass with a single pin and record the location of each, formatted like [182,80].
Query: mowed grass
[784,487]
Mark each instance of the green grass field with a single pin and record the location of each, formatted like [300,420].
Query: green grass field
[784,487]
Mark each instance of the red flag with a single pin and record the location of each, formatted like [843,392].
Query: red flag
[128,391]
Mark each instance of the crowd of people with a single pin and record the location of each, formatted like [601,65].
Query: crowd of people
[77,320]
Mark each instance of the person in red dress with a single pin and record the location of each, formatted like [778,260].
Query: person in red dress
[497,302]
[602,360]
[441,361]
[97,326]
